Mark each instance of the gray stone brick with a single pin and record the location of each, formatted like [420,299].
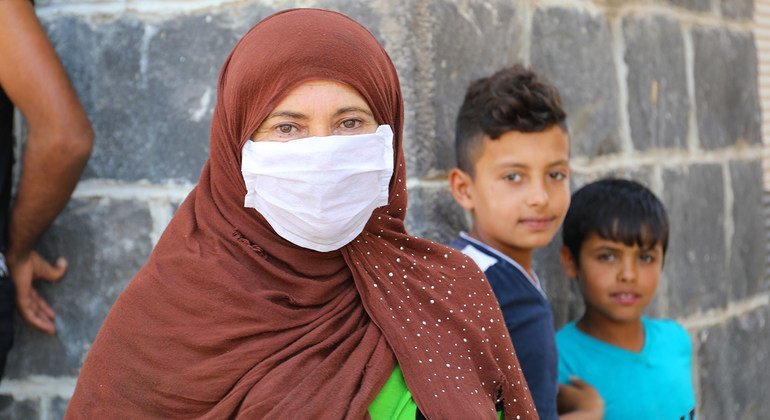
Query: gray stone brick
[454,44]
[748,249]
[58,408]
[12,409]
[726,91]
[732,360]
[574,51]
[738,9]
[149,89]
[563,293]
[105,243]
[658,104]
[694,5]
[579,180]
[183,61]
[434,214]
[695,261]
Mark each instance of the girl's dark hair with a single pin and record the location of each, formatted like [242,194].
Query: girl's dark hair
[513,99]
[617,210]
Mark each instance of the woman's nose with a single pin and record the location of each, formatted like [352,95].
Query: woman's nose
[319,130]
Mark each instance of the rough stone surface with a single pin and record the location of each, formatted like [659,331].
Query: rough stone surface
[748,248]
[695,264]
[574,51]
[694,5]
[731,361]
[58,408]
[563,294]
[455,44]
[658,104]
[148,90]
[738,9]
[726,91]
[105,244]
[434,214]
[578,180]
[12,409]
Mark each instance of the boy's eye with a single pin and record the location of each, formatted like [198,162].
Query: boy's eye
[512,177]
[608,257]
[558,176]
[647,258]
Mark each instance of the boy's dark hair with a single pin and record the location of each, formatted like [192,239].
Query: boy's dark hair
[513,99]
[617,210]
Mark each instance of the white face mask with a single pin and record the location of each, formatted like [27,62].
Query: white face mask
[319,192]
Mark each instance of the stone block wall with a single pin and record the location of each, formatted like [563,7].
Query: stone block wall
[663,91]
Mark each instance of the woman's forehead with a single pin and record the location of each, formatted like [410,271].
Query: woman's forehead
[321,93]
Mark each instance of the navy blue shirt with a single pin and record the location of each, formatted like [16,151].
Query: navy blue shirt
[528,317]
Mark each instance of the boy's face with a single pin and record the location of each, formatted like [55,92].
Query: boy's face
[520,192]
[618,281]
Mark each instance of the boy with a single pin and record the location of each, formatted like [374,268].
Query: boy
[512,154]
[615,238]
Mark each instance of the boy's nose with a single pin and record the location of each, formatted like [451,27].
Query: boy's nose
[627,272]
[538,194]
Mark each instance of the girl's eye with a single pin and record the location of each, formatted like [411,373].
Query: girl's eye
[512,177]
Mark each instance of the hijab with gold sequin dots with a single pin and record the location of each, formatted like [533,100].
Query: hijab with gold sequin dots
[229,319]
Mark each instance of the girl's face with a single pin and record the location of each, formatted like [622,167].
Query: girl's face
[315,109]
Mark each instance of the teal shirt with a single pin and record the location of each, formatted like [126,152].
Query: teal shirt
[655,383]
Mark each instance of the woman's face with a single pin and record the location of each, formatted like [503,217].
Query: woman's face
[317,108]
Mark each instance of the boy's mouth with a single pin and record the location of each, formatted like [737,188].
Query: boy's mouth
[537,223]
[626,298]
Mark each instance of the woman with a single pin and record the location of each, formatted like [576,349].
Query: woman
[286,285]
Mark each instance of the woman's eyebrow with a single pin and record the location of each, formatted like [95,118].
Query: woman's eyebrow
[353,109]
[287,114]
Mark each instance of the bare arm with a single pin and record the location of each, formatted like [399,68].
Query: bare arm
[579,401]
[59,143]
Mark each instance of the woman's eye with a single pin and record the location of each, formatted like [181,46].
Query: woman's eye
[351,124]
[285,128]
[514,177]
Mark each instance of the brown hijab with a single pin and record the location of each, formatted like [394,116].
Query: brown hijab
[228,319]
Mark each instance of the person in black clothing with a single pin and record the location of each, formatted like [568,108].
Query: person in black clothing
[58,145]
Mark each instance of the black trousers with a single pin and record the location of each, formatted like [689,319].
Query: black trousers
[7,308]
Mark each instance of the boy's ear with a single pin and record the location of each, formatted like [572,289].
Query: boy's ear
[568,263]
[461,185]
